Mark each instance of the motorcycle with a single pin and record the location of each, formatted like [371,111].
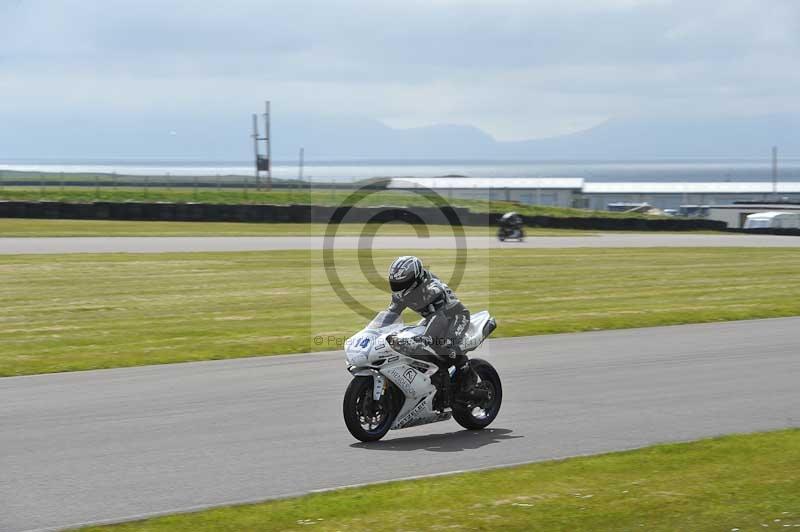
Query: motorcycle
[511,227]
[390,390]
[510,233]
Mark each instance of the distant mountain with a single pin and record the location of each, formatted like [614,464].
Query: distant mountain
[225,137]
[677,137]
[632,138]
[616,139]
[335,137]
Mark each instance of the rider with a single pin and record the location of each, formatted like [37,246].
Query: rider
[446,318]
[511,220]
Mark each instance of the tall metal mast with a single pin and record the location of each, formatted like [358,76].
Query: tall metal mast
[775,172]
[268,142]
[256,157]
[301,163]
[263,163]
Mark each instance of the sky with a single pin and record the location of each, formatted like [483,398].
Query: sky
[515,69]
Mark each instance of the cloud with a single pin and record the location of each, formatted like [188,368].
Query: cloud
[515,68]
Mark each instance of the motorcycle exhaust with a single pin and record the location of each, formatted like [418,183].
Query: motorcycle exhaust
[490,326]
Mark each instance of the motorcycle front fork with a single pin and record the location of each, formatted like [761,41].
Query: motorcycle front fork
[445,389]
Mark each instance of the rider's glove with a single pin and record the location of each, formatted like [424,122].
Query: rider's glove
[426,341]
[392,340]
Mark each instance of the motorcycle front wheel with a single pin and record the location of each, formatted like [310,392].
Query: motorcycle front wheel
[367,419]
[478,414]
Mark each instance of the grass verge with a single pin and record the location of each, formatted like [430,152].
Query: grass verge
[284,197]
[76,312]
[732,483]
[22,227]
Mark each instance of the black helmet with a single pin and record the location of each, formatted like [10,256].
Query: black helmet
[405,274]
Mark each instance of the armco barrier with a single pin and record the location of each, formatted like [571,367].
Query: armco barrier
[625,224]
[768,231]
[207,212]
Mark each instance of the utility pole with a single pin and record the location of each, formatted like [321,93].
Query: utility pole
[256,156]
[268,142]
[263,163]
[775,172]
[300,166]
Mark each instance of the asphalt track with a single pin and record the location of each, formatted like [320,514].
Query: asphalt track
[45,245]
[119,444]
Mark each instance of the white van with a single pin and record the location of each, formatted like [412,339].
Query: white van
[773,220]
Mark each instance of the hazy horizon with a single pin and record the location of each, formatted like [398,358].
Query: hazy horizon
[153,78]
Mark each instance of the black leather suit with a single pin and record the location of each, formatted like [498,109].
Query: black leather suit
[446,319]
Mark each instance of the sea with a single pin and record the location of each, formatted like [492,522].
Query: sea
[656,170]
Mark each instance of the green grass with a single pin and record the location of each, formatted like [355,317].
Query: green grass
[282,197]
[22,227]
[744,482]
[75,312]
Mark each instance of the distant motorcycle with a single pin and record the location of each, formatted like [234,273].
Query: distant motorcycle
[511,233]
[511,227]
[393,391]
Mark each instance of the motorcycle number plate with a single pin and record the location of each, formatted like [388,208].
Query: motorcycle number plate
[360,343]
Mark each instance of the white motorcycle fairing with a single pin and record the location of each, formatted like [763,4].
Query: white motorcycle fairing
[368,353]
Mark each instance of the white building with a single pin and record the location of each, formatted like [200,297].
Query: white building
[736,215]
[575,192]
[555,191]
[671,195]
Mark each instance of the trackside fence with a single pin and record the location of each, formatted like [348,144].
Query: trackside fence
[260,213]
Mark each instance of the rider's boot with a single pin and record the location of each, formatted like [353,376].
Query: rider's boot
[466,380]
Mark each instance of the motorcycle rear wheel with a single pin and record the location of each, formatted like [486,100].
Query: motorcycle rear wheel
[367,419]
[476,415]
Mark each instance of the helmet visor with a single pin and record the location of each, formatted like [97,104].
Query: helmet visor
[402,286]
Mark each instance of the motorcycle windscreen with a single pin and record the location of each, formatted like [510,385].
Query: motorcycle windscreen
[383,319]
